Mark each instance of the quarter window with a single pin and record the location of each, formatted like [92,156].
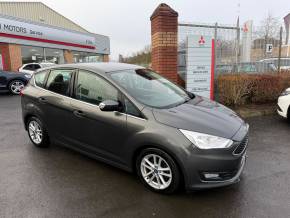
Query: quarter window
[131,109]
[93,89]
[59,81]
[40,78]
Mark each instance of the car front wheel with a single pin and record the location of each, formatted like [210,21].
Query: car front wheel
[158,171]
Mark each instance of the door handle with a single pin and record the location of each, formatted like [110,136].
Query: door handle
[78,113]
[42,100]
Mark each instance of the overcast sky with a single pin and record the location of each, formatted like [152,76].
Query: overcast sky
[127,22]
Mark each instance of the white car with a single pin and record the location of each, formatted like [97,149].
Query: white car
[32,67]
[284,104]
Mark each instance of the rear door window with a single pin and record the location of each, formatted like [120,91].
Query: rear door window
[59,81]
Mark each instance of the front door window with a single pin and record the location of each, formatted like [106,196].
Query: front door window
[93,89]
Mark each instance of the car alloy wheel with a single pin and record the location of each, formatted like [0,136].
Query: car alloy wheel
[156,172]
[16,86]
[35,132]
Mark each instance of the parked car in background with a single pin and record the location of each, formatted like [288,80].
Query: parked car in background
[133,118]
[284,104]
[284,62]
[246,67]
[13,81]
[32,67]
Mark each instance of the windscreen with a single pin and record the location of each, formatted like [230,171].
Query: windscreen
[150,88]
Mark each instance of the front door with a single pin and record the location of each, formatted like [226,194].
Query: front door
[95,130]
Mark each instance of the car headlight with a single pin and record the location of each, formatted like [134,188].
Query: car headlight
[28,76]
[286,92]
[204,141]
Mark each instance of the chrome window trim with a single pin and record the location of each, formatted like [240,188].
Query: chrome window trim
[139,118]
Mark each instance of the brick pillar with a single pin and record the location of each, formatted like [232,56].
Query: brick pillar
[11,56]
[68,56]
[106,58]
[164,23]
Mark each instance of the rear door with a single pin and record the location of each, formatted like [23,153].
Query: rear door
[55,101]
[95,130]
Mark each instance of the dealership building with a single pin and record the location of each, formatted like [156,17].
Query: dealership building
[32,32]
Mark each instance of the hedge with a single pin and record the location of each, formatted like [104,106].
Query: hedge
[240,89]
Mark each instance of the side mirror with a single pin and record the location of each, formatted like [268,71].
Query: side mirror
[109,105]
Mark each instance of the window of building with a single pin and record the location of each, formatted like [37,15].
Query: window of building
[86,57]
[33,54]
[59,81]
[53,55]
[93,89]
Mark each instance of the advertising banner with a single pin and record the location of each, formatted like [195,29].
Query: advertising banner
[36,34]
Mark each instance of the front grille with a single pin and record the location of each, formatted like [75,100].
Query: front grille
[242,146]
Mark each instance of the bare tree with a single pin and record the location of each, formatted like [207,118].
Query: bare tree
[269,27]
[268,33]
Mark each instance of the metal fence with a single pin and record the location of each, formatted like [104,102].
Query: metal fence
[239,49]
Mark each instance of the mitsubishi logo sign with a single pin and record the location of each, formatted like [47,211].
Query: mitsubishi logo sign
[201,41]
[245,29]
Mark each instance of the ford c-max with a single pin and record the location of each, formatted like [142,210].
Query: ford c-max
[132,118]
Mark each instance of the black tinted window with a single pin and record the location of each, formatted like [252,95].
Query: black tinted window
[29,67]
[59,81]
[93,89]
[36,66]
[40,78]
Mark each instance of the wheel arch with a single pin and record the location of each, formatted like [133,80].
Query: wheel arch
[26,118]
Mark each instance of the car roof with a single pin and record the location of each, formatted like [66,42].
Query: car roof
[101,67]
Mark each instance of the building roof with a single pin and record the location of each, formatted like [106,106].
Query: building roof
[38,12]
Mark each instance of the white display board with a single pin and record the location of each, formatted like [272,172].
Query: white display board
[199,65]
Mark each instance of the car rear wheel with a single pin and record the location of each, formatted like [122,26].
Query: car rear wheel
[16,86]
[158,171]
[37,132]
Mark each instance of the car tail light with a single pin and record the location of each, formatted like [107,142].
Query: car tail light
[21,93]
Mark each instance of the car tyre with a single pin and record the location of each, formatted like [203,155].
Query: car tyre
[37,133]
[15,86]
[165,176]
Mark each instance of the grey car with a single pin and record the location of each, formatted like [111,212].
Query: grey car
[134,119]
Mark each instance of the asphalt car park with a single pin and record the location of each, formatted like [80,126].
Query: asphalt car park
[57,182]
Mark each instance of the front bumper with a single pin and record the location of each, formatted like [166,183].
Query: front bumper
[283,105]
[228,164]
